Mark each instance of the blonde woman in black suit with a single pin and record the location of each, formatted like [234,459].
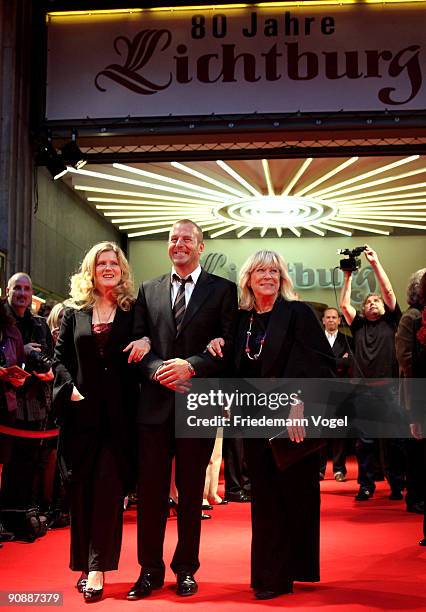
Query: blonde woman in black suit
[95,391]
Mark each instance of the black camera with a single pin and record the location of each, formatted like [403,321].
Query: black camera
[353,262]
[38,362]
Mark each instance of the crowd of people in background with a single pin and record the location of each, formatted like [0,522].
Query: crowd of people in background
[87,409]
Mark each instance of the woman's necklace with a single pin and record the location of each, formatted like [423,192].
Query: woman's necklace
[114,306]
[256,356]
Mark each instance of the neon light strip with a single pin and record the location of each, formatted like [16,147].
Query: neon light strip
[389,179]
[313,229]
[359,227]
[128,181]
[238,178]
[138,194]
[267,173]
[244,231]
[155,220]
[381,191]
[172,181]
[230,228]
[208,179]
[408,225]
[361,177]
[323,178]
[297,176]
[334,229]
[222,7]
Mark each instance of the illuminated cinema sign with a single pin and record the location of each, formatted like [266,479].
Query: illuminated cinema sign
[237,60]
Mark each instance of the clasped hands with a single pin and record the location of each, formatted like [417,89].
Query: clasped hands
[175,374]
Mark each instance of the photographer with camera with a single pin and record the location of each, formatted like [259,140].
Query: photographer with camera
[33,398]
[373,331]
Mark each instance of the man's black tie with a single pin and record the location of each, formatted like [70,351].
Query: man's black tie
[179,306]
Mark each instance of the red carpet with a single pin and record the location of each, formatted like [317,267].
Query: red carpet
[370,561]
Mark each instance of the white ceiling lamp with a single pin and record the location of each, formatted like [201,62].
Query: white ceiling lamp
[234,204]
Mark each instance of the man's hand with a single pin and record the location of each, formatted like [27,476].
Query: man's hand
[371,255]
[214,347]
[138,349]
[31,346]
[175,374]
[296,433]
[173,370]
[45,376]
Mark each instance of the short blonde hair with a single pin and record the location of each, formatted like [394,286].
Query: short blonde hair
[262,258]
[53,318]
[83,291]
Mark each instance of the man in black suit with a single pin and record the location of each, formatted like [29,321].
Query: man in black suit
[180,311]
[341,347]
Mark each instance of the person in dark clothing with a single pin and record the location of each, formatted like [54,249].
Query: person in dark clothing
[404,351]
[11,353]
[33,398]
[341,346]
[415,391]
[278,336]
[94,396]
[373,332]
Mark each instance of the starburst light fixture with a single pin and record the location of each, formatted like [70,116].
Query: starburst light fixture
[274,197]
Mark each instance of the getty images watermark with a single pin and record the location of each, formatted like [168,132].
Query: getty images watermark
[243,400]
[326,408]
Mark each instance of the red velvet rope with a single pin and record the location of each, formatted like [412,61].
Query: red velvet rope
[24,433]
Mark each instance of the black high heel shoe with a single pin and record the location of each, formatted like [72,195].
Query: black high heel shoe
[81,582]
[173,507]
[90,595]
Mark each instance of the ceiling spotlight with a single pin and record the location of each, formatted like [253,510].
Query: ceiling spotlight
[47,156]
[71,153]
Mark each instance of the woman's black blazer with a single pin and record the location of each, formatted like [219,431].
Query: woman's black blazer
[295,343]
[109,385]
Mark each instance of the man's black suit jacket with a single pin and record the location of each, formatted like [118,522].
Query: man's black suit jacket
[210,313]
[342,345]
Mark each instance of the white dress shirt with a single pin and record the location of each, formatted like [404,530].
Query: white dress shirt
[331,337]
[189,287]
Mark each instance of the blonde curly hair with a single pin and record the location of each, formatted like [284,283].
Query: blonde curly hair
[83,290]
[262,258]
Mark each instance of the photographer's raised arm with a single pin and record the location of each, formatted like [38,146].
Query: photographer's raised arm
[346,307]
[382,278]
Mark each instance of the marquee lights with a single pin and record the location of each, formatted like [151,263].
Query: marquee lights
[234,204]
[222,7]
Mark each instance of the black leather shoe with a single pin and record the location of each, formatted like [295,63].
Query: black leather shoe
[396,495]
[238,496]
[143,587]
[186,584]
[207,507]
[91,595]
[205,517]
[364,494]
[422,542]
[81,582]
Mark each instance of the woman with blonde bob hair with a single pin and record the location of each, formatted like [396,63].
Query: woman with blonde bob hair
[258,260]
[95,393]
[280,337]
